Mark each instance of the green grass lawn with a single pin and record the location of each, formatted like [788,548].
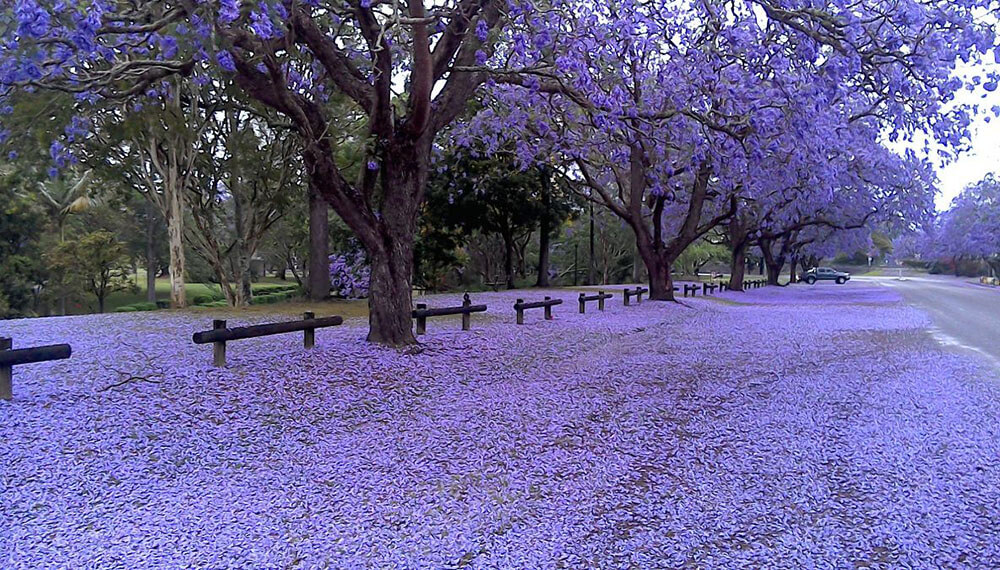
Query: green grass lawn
[122,298]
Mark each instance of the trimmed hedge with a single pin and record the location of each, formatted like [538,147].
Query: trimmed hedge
[134,307]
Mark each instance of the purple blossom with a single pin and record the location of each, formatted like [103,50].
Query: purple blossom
[225,61]
[649,436]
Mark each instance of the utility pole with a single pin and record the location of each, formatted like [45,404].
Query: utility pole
[591,270]
[576,263]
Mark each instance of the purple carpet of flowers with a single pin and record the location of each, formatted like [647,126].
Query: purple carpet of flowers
[798,427]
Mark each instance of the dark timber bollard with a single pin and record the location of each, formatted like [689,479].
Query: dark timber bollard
[466,313]
[9,358]
[309,336]
[466,309]
[599,297]
[637,293]
[6,371]
[520,306]
[421,318]
[220,334]
[219,346]
[693,289]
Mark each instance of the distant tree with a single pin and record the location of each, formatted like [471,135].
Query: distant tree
[492,195]
[699,254]
[96,263]
[243,184]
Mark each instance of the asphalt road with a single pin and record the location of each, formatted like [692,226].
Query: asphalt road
[965,315]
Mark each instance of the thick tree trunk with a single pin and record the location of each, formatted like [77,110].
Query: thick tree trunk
[740,243]
[100,304]
[318,280]
[175,239]
[658,265]
[544,245]
[738,265]
[244,291]
[772,263]
[390,295]
[508,261]
[661,283]
[792,268]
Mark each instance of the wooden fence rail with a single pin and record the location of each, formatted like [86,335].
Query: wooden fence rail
[638,292]
[599,297]
[692,289]
[10,357]
[520,306]
[707,288]
[220,334]
[466,309]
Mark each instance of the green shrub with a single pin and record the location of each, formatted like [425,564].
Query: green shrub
[163,304]
[145,306]
[222,303]
[203,299]
[126,309]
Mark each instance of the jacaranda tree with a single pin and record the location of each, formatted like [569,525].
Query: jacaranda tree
[670,111]
[403,65]
[663,107]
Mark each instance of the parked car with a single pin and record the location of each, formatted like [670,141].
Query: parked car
[825,274]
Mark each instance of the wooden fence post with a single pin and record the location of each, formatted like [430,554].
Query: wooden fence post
[600,301]
[219,346]
[583,304]
[548,310]
[520,311]
[638,295]
[627,294]
[466,316]
[6,371]
[421,320]
[309,335]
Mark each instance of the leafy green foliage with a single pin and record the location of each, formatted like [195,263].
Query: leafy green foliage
[96,263]
[21,225]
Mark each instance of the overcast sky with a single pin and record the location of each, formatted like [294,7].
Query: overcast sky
[973,165]
[984,156]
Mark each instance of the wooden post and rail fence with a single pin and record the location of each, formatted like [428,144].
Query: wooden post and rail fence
[421,313]
[520,307]
[220,334]
[11,357]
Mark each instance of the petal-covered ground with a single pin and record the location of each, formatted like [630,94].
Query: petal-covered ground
[797,427]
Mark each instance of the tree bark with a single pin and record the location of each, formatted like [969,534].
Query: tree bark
[151,261]
[661,282]
[390,294]
[508,260]
[772,263]
[738,266]
[792,268]
[318,281]
[740,243]
[175,238]
[544,245]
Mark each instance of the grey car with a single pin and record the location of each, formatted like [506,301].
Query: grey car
[826,274]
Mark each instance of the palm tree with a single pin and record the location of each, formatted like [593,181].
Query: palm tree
[61,198]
